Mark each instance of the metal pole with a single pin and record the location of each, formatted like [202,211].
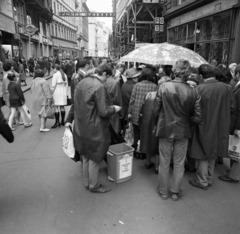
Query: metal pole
[135,26]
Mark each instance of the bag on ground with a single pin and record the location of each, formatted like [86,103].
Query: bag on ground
[27,112]
[234,148]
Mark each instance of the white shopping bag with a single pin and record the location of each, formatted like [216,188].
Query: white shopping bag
[67,143]
[234,148]
[27,112]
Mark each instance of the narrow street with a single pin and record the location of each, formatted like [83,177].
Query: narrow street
[41,192]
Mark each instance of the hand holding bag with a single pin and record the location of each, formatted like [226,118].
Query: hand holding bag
[129,134]
[27,111]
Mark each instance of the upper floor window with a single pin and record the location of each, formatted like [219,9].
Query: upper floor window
[19,11]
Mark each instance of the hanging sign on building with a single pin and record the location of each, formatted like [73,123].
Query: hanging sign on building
[156,28]
[31,29]
[84,14]
[161,20]
[156,20]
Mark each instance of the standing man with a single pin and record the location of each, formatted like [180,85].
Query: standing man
[91,126]
[210,137]
[176,106]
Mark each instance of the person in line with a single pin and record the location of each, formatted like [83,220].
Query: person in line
[91,126]
[211,136]
[22,72]
[42,96]
[5,130]
[231,72]
[31,66]
[17,100]
[176,106]
[139,92]
[59,89]
[233,175]
[120,69]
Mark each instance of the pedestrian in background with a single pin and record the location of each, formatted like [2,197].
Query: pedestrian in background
[22,72]
[59,89]
[42,96]
[176,106]
[31,66]
[17,100]
[211,136]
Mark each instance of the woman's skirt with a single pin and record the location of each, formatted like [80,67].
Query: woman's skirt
[15,103]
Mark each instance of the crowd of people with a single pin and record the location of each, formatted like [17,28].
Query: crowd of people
[181,115]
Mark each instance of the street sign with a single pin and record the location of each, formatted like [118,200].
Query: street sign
[156,28]
[84,14]
[161,28]
[156,20]
[161,20]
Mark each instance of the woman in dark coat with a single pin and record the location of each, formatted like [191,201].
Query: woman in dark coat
[17,100]
[148,140]
[31,66]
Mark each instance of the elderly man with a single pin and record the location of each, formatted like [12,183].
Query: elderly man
[210,137]
[91,126]
[176,106]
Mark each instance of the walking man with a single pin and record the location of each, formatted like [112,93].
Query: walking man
[210,137]
[176,105]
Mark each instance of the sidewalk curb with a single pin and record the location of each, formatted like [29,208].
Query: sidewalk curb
[28,88]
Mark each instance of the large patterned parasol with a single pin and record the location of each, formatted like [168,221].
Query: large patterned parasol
[163,54]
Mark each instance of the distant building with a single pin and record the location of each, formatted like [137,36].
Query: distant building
[84,48]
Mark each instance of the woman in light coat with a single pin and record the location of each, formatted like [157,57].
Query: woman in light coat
[42,96]
[59,89]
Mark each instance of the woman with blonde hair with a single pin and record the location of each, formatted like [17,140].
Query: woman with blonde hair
[59,89]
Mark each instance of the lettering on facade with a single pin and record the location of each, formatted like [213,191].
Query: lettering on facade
[84,14]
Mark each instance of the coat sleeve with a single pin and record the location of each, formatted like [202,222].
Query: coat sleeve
[197,114]
[157,104]
[5,130]
[103,109]
[46,90]
[70,116]
[132,100]
[237,126]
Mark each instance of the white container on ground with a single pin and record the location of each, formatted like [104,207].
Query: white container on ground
[120,162]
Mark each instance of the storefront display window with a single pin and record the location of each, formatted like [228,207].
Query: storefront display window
[220,26]
[204,30]
[191,32]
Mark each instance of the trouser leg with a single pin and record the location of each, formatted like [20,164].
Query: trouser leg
[85,171]
[165,152]
[93,174]
[211,166]
[179,156]
[202,172]
[235,171]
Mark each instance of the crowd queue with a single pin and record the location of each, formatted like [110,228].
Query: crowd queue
[180,115]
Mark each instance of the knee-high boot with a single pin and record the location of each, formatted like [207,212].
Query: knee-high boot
[63,117]
[57,123]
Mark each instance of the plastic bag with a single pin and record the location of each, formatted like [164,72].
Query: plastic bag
[129,134]
[234,148]
[67,143]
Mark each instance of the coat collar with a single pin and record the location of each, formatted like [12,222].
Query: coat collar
[178,80]
[210,80]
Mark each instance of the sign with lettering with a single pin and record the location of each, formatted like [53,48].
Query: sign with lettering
[125,167]
[84,14]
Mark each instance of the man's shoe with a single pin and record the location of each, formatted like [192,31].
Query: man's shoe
[176,196]
[163,196]
[100,189]
[44,130]
[28,125]
[196,184]
[226,178]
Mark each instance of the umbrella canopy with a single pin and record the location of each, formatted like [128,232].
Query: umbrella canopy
[163,54]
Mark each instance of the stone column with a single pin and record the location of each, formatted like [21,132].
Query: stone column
[236,51]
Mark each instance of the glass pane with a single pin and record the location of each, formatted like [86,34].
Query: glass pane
[203,49]
[191,32]
[220,26]
[219,52]
[204,30]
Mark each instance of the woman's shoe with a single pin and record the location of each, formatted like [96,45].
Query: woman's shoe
[28,125]
[13,129]
[226,178]
[56,125]
[44,130]
[176,196]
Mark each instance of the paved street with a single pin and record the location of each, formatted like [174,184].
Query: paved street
[41,192]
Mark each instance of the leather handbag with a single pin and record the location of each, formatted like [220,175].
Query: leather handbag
[69,101]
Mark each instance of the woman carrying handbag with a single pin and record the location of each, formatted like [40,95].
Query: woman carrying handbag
[59,89]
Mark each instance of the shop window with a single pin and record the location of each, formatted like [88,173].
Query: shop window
[191,32]
[220,26]
[204,30]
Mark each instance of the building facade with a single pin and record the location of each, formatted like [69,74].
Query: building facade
[65,29]
[211,28]
[85,49]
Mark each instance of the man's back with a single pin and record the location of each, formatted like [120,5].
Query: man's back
[179,102]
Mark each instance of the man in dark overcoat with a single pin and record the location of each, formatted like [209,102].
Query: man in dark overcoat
[91,126]
[210,137]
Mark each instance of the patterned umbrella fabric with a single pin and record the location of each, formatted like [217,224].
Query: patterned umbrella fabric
[163,54]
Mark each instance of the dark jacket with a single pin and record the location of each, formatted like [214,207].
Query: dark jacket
[235,116]
[74,82]
[229,76]
[126,90]
[5,130]
[91,119]
[68,70]
[176,106]
[210,137]
[15,91]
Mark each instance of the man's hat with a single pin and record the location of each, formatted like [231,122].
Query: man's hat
[133,72]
